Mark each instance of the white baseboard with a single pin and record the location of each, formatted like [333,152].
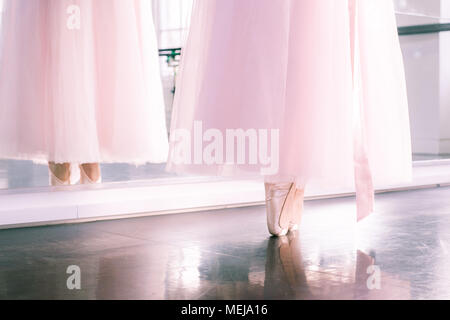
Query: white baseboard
[42,206]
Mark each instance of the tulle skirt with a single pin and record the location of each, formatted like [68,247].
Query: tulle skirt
[327,74]
[80,82]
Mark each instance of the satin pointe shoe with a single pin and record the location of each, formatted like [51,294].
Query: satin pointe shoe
[55,169]
[85,179]
[279,199]
[297,209]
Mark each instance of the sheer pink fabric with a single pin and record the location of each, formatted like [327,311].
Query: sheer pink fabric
[91,94]
[328,74]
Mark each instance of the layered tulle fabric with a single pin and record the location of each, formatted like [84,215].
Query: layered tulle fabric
[328,74]
[81,93]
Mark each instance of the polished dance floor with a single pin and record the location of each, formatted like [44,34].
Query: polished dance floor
[401,252]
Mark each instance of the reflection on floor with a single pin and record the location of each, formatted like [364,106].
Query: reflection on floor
[401,252]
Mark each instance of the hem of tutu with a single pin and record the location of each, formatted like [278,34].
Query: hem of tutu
[212,171]
[235,172]
[43,159]
[301,181]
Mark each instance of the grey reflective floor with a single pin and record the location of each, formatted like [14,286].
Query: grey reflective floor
[227,254]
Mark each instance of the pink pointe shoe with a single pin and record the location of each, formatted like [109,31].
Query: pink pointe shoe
[53,179]
[279,200]
[85,179]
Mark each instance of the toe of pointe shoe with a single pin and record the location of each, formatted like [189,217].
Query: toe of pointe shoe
[279,233]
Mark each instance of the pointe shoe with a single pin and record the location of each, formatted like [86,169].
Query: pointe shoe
[53,179]
[297,209]
[279,198]
[85,179]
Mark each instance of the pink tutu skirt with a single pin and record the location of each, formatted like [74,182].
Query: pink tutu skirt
[327,74]
[80,82]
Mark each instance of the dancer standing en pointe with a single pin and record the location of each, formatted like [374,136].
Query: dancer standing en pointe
[327,74]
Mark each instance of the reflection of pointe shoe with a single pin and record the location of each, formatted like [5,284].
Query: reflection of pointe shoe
[285,270]
[279,198]
[292,263]
[297,209]
[53,179]
[85,179]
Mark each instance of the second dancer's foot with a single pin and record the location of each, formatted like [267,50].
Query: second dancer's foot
[90,173]
[59,174]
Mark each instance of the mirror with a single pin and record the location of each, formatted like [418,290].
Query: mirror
[425,41]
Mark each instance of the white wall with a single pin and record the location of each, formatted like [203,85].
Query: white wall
[428,75]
